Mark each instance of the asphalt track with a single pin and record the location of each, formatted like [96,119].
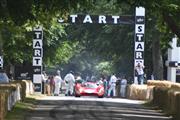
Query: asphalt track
[91,108]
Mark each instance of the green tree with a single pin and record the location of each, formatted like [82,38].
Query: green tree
[113,43]
[163,16]
[17,18]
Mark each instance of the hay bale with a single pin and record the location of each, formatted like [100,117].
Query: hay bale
[3,104]
[175,86]
[149,94]
[9,87]
[172,96]
[137,92]
[177,112]
[160,95]
[159,83]
[29,87]
[22,89]
[172,103]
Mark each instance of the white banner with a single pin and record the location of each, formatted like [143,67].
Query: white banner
[37,78]
[1,61]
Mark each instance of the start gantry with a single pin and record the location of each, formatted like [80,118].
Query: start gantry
[100,19]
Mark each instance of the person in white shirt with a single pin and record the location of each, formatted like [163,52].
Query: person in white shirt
[140,73]
[44,78]
[57,81]
[112,85]
[123,87]
[70,82]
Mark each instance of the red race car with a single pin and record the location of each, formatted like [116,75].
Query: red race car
[83,88]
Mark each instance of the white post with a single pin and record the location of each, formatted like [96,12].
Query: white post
[1,62]
[139,38]
[172,56]
[37,59]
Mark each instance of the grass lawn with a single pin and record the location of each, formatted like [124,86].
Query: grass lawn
[21,109]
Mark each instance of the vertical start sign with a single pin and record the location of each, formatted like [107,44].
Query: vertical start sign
[37,58]
[139,36]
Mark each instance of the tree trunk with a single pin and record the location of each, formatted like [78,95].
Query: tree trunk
[157,57]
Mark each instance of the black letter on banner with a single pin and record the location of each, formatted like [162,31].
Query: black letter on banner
[139,37]
[37,60]
[37,44]
[37,52]
[37,34]
[139,46]
[139,28]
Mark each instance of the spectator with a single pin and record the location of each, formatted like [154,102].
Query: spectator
[59,74]
[47,87]
[57,81]
[105,83]
[52,84]
[70,81]
[123,87]
[112,85]
[140,73]
[44,78]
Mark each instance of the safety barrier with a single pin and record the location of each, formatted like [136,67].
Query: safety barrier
[168,99]
[164,94]
[11,93]
[140,92]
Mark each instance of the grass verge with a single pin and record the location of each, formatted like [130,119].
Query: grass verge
[20,110]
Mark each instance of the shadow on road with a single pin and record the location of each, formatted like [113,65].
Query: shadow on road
[93,109]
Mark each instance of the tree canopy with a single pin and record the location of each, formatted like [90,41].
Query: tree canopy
[62,42]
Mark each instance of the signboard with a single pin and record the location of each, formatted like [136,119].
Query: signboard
[37,58]
[100,19]
[37,78]
[139,37]
[38,87]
